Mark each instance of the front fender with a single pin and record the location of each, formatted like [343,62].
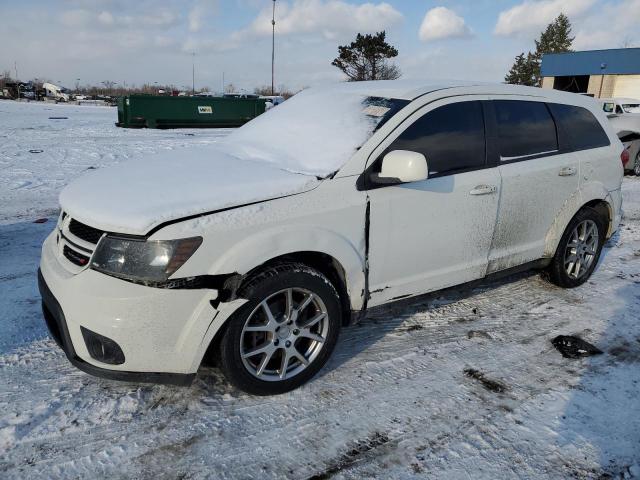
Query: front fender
[261,247]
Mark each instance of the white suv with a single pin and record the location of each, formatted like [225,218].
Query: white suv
[257,251]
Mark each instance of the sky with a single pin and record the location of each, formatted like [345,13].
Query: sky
[145,41]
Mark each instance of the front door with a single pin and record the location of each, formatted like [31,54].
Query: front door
[434,233]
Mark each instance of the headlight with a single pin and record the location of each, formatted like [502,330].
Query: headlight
[151,261]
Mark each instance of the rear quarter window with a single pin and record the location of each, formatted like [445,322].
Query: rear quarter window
[525,129]
[580,126]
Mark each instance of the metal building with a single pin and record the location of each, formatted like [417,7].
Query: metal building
[601,73]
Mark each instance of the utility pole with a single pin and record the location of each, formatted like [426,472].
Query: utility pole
[273,47]
[193,73]
[15,67]
[603,67]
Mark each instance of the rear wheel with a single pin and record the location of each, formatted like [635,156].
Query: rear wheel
[284,334]
[579,249]
[636,167]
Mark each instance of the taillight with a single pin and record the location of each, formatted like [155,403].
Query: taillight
[624,156]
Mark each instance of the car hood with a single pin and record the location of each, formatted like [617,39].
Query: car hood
[138,195]
[625,124]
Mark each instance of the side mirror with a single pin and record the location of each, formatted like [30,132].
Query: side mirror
[402,166]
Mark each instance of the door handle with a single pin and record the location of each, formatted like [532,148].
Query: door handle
[567,171]
[484,190]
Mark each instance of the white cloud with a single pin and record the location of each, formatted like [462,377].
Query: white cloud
[329,17]
[198,14]
[609,27]
[75,18]
[159,18]
[440,23]
[532,16]
[105,18]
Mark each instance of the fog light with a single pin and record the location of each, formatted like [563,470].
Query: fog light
[101,348]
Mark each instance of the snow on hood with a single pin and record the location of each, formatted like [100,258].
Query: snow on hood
[625,124]
[136,196]
[316,132]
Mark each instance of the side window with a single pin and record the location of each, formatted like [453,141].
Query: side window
[582,128]
[451,137]
[607,107]
[524,129]
[619,109]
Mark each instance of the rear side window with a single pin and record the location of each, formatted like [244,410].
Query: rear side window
[451,137]
[607,107]
[524,129]
[580,126]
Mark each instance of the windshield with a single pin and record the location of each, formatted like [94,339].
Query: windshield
[608,107]
[631,107]
[313,133]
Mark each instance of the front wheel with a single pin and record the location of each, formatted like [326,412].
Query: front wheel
[579,249]
[636,167]
[284,334]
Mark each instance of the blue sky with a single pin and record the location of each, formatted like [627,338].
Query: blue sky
[147,41]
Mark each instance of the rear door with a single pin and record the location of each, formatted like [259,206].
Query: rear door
[538,175]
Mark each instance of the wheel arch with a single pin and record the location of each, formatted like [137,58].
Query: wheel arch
[329,252]
[597,198]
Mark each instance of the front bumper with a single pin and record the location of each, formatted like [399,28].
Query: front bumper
[163,333]
[57,325]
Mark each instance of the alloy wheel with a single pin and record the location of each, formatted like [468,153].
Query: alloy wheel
[581,249]
[284,334]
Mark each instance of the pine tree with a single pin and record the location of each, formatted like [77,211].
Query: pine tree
[556,38]
[514,76]
[366,58]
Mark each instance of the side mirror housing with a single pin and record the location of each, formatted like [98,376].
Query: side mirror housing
[402,166]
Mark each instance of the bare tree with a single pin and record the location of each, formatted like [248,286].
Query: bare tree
[262,90]
[108,85]
[627,42]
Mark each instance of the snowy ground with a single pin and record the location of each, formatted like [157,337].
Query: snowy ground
[39,154]
[394,401]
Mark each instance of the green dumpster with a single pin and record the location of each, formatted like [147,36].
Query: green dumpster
[155,111]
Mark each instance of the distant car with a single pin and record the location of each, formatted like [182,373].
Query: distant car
[240,95]
[274,99]
[620,106]
[256,250]
[624,115]
[60,94]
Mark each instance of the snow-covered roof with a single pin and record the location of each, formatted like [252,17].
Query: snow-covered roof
[620,100]
[400,89]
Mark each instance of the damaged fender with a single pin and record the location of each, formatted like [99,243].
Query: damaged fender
[285,240]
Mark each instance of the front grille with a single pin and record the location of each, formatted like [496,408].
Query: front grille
[75,257]
[85,232]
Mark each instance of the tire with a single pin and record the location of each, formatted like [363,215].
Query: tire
[566,274]
[636,167]
[260,337]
